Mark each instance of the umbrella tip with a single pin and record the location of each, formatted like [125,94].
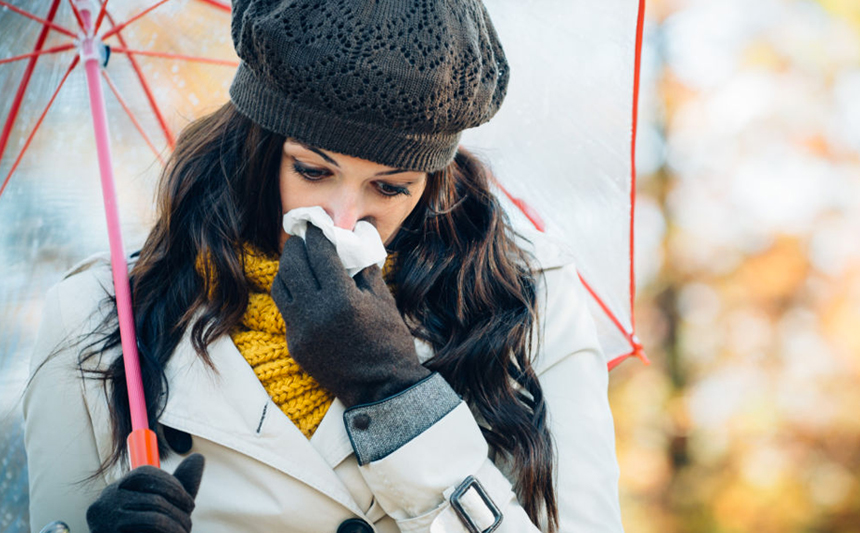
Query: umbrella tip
[639,351]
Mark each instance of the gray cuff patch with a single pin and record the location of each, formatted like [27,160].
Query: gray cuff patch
[378,429]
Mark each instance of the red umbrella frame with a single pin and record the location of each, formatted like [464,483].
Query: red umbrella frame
[116,32]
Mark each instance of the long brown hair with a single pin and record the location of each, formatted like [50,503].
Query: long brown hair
[463,285]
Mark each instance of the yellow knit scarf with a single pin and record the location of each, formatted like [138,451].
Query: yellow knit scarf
[260,338]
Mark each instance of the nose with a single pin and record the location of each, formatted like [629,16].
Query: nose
[344,209]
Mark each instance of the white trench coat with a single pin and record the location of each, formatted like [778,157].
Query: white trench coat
[263,475]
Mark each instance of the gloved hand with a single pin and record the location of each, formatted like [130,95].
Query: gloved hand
[345,332]
[148,499]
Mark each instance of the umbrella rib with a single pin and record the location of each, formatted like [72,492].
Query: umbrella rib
[29,15]
[77,14]
[640,23]
[132,19]
[54,50]
[25,80]
[131,115]
[620,359]
[168,134]
[101,16]
[631,337]
[220,5]
[38,123]
[638,349]
[151,53]
[609,313]
[527,210]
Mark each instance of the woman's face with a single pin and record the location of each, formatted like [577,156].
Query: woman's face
[348,188]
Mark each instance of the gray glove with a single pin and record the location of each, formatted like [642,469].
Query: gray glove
[148,499]
[345,332]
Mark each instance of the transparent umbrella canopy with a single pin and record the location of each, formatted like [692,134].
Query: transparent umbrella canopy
[564,141]
[561,148]
[51,203]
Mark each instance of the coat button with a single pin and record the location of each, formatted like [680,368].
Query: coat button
[179,441]
[354,525]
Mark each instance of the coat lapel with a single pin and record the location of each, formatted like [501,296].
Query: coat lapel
[330,439]
[231,407]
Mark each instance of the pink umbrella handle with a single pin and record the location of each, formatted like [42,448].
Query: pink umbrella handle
[142,442]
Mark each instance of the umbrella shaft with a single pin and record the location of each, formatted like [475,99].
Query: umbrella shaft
[92,63]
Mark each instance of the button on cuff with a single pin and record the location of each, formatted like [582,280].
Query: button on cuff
[378,429]
[361,421]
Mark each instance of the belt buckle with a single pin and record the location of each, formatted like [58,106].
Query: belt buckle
[472,483]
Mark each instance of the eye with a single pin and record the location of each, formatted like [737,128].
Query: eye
[386,189]
[310,174]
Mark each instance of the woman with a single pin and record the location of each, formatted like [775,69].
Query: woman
[466,394]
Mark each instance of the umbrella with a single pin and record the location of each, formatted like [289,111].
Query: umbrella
[91,46]
[561,147]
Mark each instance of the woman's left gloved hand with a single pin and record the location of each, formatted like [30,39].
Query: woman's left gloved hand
[345,332]
[148,499]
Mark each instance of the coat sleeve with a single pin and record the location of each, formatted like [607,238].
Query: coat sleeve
[58,433]
[413,480]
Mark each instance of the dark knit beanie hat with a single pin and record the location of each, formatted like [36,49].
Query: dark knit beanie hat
[391,81]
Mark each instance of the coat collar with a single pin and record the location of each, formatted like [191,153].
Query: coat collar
[231,407]
[546,252]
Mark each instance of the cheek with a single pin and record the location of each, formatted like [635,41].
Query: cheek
[296,192]
[390,223]
[285,187]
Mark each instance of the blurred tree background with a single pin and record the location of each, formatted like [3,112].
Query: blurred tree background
[748,258]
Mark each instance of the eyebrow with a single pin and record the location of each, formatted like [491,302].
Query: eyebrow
[333,162]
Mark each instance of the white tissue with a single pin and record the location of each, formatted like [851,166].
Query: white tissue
[357,249]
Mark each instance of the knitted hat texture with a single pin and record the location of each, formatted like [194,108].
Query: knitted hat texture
[391,81]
